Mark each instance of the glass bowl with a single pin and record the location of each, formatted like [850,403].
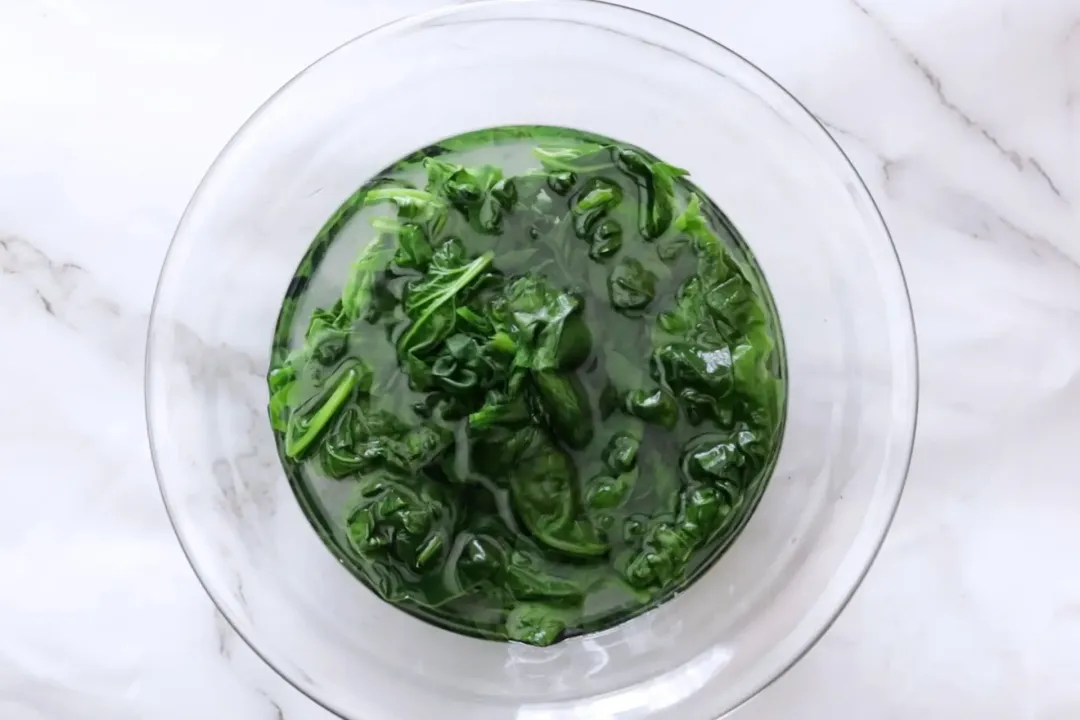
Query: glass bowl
[811,223]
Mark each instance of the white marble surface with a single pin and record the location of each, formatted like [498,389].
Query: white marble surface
[963,116]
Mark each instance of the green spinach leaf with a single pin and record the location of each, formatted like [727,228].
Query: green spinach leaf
[407,527]
[566,407]
[630,286]
[656,181]
[545,325]
[543,487]
[536,624]
[431,305]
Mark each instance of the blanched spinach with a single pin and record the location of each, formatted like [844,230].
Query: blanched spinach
[566,406]
[550,398]
[432,302]
[544,324]
[631,286]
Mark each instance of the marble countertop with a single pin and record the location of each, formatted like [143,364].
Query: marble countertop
[962,115]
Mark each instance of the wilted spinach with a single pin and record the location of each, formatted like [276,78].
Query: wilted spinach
[542,402]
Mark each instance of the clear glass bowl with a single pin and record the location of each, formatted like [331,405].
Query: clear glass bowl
[750,146]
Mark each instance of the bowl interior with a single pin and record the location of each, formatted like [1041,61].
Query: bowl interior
[751,147]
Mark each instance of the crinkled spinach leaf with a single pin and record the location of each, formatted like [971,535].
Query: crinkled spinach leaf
[431,305]
[631,286]
[406,526]
[544,325]
[566,407]
[544,490]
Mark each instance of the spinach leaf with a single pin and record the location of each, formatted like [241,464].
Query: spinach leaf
[357,292]
[543,488]
[431,305]
[605,492]
[656,406]
[721,469]
[528,580]
[467,366]
[664,550]
[720,307]
[546,325]
[481,194]
[483,559]
[694,365]
[721,460]
[536,624]
[561,183]
[656,181]
[407,527]
[592,204]
[607,240]
[630,286]
[497,449]
[566,406]
[620,454]
[704,509]
[281,381]
[363,440]
[414,249]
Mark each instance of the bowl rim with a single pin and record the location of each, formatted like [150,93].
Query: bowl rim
[417,19]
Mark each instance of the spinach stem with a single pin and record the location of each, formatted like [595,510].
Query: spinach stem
[295,446]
